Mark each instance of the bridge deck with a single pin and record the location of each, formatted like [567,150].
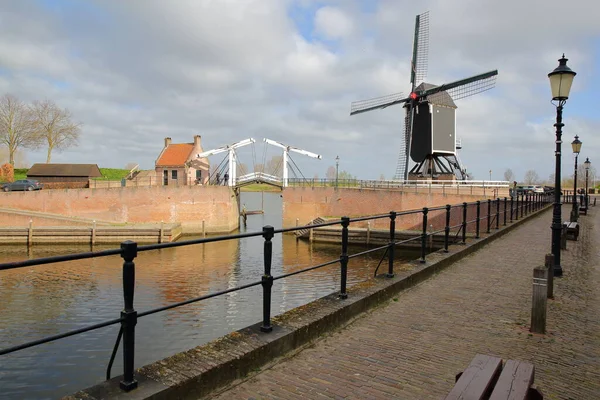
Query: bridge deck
[413,347]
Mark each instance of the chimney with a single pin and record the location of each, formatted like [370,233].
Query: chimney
[197,139]
[167,141]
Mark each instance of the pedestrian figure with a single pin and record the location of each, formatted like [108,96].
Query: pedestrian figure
[218,179]
[225,179]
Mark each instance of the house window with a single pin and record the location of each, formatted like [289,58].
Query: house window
[198,174]
[174,174]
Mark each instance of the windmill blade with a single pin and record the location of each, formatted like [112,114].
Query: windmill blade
[420,55]
[403,156]
[362,106]
[464,87]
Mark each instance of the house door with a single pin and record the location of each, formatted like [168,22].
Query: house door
[165,177]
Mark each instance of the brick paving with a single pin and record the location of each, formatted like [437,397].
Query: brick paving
[412,347]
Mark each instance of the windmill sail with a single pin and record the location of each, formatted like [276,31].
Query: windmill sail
[362,106]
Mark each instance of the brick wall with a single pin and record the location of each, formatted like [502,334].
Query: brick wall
[188,205]
[305,204]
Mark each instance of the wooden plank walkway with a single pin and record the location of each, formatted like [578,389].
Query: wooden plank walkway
[412,347]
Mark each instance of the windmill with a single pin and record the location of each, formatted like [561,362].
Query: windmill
[430,115]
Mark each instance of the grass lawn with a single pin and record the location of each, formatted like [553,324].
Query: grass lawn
[259,187]
[112,174]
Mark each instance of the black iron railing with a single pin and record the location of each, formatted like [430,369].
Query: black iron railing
[128,251]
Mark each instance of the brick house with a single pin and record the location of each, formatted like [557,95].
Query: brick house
[62,176]
[177,164]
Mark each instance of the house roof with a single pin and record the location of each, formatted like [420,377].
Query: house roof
[175,155]
[74,170]
[440,98]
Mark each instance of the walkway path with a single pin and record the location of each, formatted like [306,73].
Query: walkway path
[412,347]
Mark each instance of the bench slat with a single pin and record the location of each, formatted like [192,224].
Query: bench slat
[478,379]
[514,382]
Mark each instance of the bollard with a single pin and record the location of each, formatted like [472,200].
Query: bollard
[538,303]
[517,209]
[344,258]
[392,244]
[464,224]
[505,201]
[129,315]
[489,216]
[424,234]
[203,228]
[522,208]
[447,228]
[477,219]
[161,232]
[497,213]
[549,263]
[267,279]
[368,232]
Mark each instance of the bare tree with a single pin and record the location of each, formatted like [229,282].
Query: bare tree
[382,177]
[330,174]
[509,175]
[531,177]
[274,166]
[54,126]
[16,126]
[19,156]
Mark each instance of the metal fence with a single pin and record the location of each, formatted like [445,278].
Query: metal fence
[492,213]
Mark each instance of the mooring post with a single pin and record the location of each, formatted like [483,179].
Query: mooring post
[203,229]
[478,219]
[464,223]
[368,232]
[424,234]
[497,213]
[128,315]
[267,279]
[392,244]
[549,263]
[161,231]
[489,216]
[538,304]
[93,239]
[344,258]
[505,201]
[30,233]
[447,228]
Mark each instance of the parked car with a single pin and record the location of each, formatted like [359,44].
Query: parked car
[538,189]
[22,184]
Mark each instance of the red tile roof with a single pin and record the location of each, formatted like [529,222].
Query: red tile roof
[175,155]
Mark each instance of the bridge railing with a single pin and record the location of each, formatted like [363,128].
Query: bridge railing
[491,213]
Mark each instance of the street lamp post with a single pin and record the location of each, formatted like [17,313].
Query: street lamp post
[576,144]
[490,174]
[561,80]
[586,165]
[337,165]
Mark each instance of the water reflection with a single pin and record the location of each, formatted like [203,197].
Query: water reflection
[50,299]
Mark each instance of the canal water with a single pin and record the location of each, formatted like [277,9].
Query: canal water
[46,300]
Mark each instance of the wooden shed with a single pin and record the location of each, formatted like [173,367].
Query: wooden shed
[62,176]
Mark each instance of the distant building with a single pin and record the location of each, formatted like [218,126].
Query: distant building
[177,164]
[63,176]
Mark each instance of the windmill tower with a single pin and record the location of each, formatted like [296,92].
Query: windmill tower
[429,137]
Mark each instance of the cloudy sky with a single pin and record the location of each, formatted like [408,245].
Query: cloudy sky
[136,71]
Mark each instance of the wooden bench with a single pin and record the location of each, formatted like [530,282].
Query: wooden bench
[572,230]
[486,379]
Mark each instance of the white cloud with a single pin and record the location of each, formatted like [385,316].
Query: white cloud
[136,71]
[333,22]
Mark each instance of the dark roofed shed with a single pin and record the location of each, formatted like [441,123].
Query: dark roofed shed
[64,175]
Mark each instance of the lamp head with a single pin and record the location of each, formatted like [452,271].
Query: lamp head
[576,144]
[561,80]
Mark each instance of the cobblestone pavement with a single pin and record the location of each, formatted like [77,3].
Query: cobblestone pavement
[412,347]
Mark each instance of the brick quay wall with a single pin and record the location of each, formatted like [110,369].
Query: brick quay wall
[217,206]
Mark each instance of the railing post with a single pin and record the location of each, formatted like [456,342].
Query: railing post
[129,315]
[267,279]
[424,234]
[447,228]
[517,209]
[511,208]
[505,201]
[489,216]
[523,202]
[344,258]
[498,213]
[464,223]
[477,219]
[392,245]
